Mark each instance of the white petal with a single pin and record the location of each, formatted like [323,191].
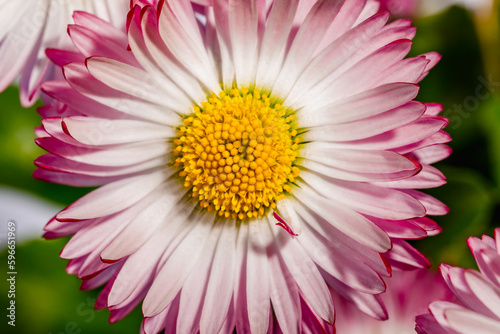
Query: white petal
[306,40]
[284,294]
[410,134]
[154,254]
[137,272]
[122,155]
[367,127]
[428,177]
[220,285]
[486,292]
[186,44]
[257,278]
[357,252]
[114,197]
[466,321]
[138,83]
[273,47]
[345,219]
[159,213]
[370,68]
[194,289]
[64,93]
[363,105]
[360,161]
[23,42]
[94,233]
[366,198]
[98,131]
[309,280]
[56,163]
[79,78]
[335,54]
[343,22]
[240,284]
[159,295]
[337,263]
[91,43]
[218,20]
[154,56]
[243,31]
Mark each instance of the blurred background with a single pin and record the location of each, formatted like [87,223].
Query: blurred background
[466,82]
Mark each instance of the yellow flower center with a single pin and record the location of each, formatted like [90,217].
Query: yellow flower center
[237,152]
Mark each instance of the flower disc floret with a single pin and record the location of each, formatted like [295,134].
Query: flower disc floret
[237,152]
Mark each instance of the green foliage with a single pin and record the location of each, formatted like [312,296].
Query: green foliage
[48,300]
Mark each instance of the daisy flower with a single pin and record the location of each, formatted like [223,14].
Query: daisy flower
[477,291]
[251,156]
[408,294]
[28,27]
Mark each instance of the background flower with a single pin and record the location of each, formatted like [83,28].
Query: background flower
[478,292]
[29,27]
[408,294]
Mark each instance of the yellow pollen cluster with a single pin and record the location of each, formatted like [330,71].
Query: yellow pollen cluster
[236,152]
